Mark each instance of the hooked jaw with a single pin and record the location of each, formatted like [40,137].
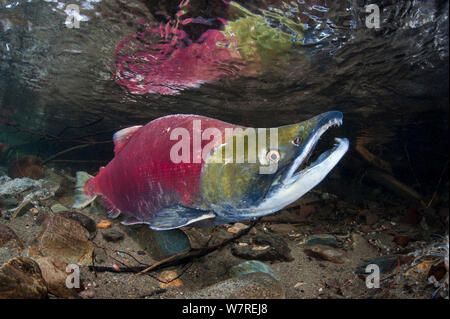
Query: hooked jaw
[294,185]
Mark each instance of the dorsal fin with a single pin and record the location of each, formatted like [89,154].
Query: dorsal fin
[122,137]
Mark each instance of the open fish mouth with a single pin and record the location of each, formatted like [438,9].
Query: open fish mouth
[302,164]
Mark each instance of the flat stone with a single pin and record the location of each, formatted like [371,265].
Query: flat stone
[334,255]
[282,228]
[9,239]
[257,285]
[112,235]
[160,244]
[21,278]
[322,239]
[252,266]
[9,203]
[55,275]
[263,248]
[56,208]
[64,239]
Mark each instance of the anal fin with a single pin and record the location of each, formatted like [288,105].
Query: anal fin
[179,216]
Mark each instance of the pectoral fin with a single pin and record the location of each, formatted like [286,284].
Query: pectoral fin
[179,216]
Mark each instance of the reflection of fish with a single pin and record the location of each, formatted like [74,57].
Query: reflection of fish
[144,181]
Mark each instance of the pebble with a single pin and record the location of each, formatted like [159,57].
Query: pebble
[282,228]
[334,255]
[112,235]
[169,278]
[322,239]
[263,248]
[252,266]
[9,239]
[104,224]
[56,208]
[237,228]
[9,203]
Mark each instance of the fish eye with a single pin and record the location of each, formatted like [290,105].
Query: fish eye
[297,141]
[273,156]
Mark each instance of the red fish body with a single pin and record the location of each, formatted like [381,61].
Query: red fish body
[142,179]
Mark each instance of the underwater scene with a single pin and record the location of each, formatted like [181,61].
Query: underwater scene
[216,149]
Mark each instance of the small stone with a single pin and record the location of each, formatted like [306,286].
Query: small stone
[9,239]
[34,211]
[282,228]
[371,218]
[412,216]
[112,235]
[250,267]
[56,208]
[322,239]
[402,240]
[9,203]
[264,248]
[326,253]
[104,224]
[87,294]
[385,264]
[169,279]
[160,244]
[237,228]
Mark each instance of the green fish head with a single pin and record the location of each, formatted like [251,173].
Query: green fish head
[253,173]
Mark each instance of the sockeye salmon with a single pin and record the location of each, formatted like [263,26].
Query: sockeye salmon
[182,170]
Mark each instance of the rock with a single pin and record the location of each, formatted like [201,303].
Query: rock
[263,248]
[9,239]
[9,203]
[169,278]
[385,263]
[21,278]
[334,255]
[160,244]
[55,275]
[64,239]
[28,166]
[371,218]
[104,224]
[252,266]
[412,216]
[56,208]
[282,228]
[257,285]
[322,239]
[85,221]
[402,240]
[112,235]
[237,228]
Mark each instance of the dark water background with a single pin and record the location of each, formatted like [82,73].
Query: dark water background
[57,87]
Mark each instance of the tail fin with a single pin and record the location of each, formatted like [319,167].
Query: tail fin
[81,198]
